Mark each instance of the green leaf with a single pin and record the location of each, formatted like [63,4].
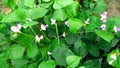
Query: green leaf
[36,13]
[93,63]
[47,64]
[75,24]
[29,3]
[9,3]
[31,23]
[32,51]
[25,40]
[73,61]
[100,7]
[4,64]
[106,46]
[46,5]
[60,53]
[16,51]
[61,3]
[34,65]
[15,16]
[80,48]
[70,41]
[114,20]
[21,4]
[3,56]
[60,15]
[93,50]
[107,36]
[19,63]
[72,12]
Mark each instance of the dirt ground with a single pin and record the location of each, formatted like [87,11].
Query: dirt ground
[113,8]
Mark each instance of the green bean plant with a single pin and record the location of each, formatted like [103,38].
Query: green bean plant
[58,34]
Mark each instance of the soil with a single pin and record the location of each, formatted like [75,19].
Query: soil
[113,7]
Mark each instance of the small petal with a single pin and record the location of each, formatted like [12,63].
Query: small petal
[87,21]
[44,27]
[66,23]
[41,37]
[115,29]
[110,62]
[103,20]
[53,21]
[64,34]
[19,26]
[38,38]
[49,53]
[105,13]
[16,29]
[113,56]
[103,27]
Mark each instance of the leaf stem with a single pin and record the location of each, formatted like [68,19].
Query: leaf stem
[33,30]
[45,35]
[57,32]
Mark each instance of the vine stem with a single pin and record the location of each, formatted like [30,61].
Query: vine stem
[57,32]
[33,30]
[45,35]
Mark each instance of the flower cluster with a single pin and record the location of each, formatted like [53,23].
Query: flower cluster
[103,19]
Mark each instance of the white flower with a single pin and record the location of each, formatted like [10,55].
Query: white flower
[44,27]
[16,29]
[52,21]
[87,21]
[116,29]
[63,34]
[103,27]
[38,38]
[110,62]
[104,17]
[113,56]
[66,23]
[49,53]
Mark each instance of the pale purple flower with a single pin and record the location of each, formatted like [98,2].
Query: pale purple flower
[103,27]
[52,21]
[38,38]
[44,27]
[104,17]
[66,23]
[17,28]
[87,21]
[116,29]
